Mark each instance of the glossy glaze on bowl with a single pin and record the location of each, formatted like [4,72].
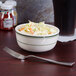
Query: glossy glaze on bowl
[36,43]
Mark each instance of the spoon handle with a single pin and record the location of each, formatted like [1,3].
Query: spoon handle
[54,61]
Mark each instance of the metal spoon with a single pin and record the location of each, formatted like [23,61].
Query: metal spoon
[20,56]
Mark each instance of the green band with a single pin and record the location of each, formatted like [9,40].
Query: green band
[36,44]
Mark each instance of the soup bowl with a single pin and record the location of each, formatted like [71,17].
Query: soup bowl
[36,43]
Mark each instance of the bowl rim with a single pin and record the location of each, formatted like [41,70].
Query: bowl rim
[37,36]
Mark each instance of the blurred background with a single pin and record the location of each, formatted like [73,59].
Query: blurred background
[35,10]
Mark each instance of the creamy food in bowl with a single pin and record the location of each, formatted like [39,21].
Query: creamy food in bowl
[36,37]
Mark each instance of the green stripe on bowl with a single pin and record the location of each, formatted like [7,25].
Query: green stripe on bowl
[37,36]
[36,44]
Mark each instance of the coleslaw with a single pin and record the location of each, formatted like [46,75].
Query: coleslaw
[40,28]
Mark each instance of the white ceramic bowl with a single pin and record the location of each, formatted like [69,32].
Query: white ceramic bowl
[36,43]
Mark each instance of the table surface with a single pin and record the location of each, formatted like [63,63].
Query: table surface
[10,66]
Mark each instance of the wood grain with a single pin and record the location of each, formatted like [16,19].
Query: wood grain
[10,66]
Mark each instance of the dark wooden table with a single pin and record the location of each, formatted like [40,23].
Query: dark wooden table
[10,66]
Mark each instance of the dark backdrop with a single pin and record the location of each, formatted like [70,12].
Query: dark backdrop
[35,10]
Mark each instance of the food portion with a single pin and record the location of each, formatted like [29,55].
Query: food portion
[40,28]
